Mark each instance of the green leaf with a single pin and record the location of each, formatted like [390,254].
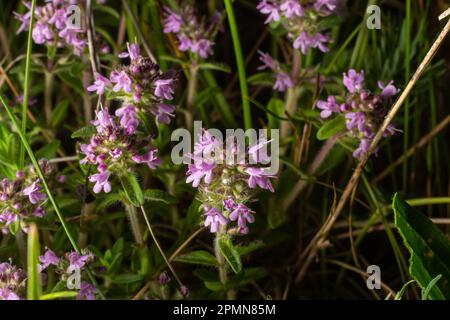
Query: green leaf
[198,257]
[59,113]
[159,195]
[59,295]
[84,132]
[230,254]
[127,278]
[399,294]
[49,150]
[132,189]
[34,286]
[430,286]
[261,78]
[428,246]
[331,128]
[218,66]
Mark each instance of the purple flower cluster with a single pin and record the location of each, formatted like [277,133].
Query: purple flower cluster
[301,20]
[53,25]
[12,282]
[283,79]
[363,111]
[66,266]
[140,86]
[24,197]
[225,185]
[115,149]
[193,34]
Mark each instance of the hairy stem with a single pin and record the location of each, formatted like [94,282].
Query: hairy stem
[222,267]
[134,223]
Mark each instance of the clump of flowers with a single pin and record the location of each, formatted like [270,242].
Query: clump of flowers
[24,197]
[283,78]
[226,185]
[67,265]
[116,148]
[12,281]
[302,20]
[140,86]
[194,34]
[54,25]
[364,111]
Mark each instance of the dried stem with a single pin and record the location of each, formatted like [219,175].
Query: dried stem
[312,248]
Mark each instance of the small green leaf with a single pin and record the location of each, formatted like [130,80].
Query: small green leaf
[59,113]
[49,150]
[331,128]
[198,257]
[218,66]
[84,132]
[159,195]
[399,294]
[230,254]
[127,278]
[430,286]
[428,246]
[261,78]
[132,189]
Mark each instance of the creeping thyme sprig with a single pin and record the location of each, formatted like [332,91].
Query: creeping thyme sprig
[364,111]
[301,20]
[194,34]
[53,25]
[23,197]
[141,87]
[12,282]
[226,185]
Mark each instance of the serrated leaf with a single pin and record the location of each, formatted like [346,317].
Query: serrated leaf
[428,246]
[198,257]
[230,254]
[331,128]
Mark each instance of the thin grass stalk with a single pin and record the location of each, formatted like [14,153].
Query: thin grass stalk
[26,84]
[240,64]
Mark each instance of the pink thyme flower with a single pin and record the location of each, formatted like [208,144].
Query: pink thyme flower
[214,218]
[101,182]
[100,84]
[164,88]
[353,81]
[122,81]
[34,193]
[49,258]
[257,176]
[328,107]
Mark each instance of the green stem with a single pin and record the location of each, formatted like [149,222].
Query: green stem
[240,64]
[135,225]
[222,266]
[169,265]
[48,96]
[40,174]
[27,83]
